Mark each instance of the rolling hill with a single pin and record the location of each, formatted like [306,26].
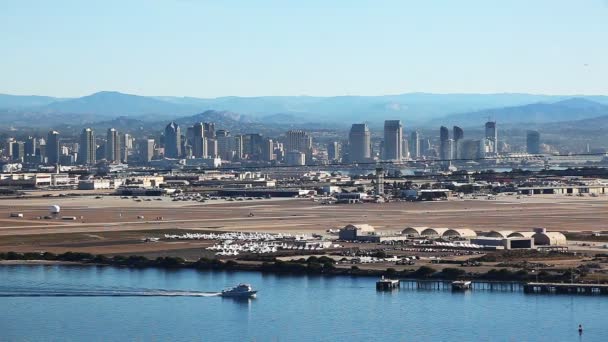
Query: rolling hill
[414,109]
[565,110]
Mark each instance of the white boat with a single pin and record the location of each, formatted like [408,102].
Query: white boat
[461,285]
[240,291]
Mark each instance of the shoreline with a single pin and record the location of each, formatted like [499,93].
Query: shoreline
[321,266]
[40,263]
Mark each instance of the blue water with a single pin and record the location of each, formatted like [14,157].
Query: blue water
[147,305]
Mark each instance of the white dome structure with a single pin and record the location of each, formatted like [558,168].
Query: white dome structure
[54,209]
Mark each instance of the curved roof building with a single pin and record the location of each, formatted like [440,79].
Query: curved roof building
[413,231]
[459,232]
[521,234]
[500,233]
[433,232]
[549,238]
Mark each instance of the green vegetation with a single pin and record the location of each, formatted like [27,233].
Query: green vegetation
[451,273]
[311,265]
[423,272]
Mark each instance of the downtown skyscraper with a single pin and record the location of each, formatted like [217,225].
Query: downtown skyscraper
[458,135]
[359,143]
[173,141]
[533,142]
[393,140]
[52,147]
[491,138]
[298,140]
[113,152]
[333,151]
[445,144]
[199,143]
[87,147]
[414,145]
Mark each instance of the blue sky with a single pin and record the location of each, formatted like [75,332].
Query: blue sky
[314,47]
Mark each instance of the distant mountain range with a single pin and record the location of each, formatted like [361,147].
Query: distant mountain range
[16,101]
[566,110]
[415,109]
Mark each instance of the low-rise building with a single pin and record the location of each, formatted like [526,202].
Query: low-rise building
[350,197]
[38,180]
[504,243]
[367,233]
[564,190]
[98,184]
[145,181]
[204,162]
[425,194]
[352,231]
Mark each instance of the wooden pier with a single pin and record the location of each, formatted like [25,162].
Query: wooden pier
[475,285]
[566,288]
[497,286]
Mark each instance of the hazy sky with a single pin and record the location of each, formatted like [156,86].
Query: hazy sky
[313,47]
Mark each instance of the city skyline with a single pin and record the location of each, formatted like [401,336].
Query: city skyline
[201,144]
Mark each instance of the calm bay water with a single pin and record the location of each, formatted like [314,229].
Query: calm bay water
[113,304]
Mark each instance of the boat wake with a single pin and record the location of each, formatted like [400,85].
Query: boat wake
[102,293]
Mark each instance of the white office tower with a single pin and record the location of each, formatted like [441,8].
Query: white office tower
[146,149]
[211,147]
[87,148]
[405,149]
[126,145]
[393,140]
[333,151]
[113,152]
[450,148]
[491,137]
[359,144]
[415,145]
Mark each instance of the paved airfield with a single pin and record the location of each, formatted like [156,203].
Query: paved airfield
[111,224]
[289,215]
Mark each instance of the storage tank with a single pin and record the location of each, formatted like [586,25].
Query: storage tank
[54,209]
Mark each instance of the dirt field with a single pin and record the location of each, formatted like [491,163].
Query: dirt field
[111,224]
